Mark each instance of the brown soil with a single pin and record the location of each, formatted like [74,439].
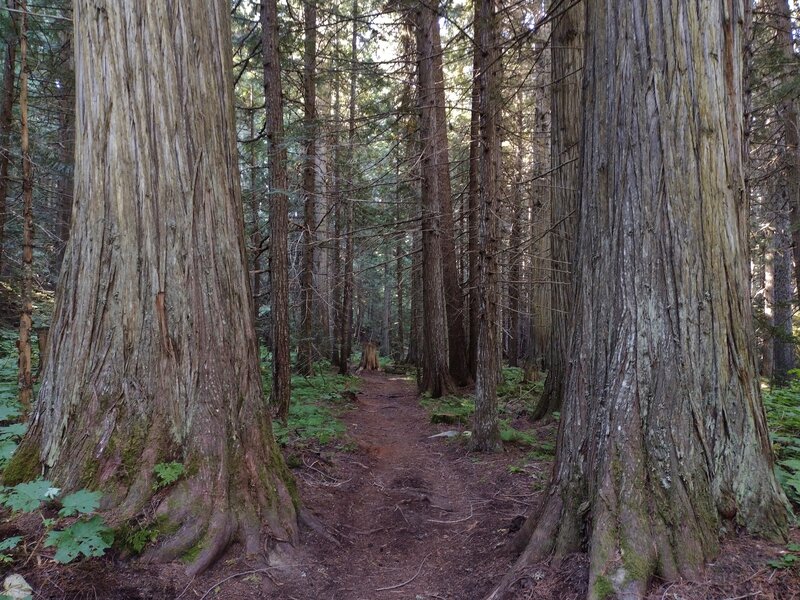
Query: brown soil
[402,515]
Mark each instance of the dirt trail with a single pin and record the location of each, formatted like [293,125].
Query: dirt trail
[406,508]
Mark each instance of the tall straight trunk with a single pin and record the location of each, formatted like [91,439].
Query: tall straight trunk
[436,377]
[457,335]
[26,291]
[436,172]
[515,254]
[565,128]
[485,427]
[780,16]
[782,287]
[346,331]
[473,201]
[336,200]
[386,330]
[279,211]
[663,438]
[153,348]
[305,359]
[6,114]
[398,277]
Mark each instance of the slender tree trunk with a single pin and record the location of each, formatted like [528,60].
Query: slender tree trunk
[6,114]
[473,202]
[485,428]
[26,292]
[346,332]
[305,359]
[153,354]
[565,127]
[279,211]
[663,438]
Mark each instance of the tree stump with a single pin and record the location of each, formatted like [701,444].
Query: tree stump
[369,357]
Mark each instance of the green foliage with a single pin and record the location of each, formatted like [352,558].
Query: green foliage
[791,558]
[87,538]
[28,497]
[783,415]
[137,539]
[81,502]
[455,410]
[6,545]
[515,396]
[316,402]
[167,474]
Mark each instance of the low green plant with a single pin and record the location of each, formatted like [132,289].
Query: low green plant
[783,416]
[315,406]
[167,474]
[87,535]
[791,558]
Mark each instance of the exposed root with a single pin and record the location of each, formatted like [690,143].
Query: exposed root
[537,538]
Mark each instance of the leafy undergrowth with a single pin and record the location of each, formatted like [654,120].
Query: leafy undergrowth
[11,429]
[517,399]
[783,416]
[316,404]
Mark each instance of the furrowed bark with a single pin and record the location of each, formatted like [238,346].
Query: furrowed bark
[663,441]
[153,354]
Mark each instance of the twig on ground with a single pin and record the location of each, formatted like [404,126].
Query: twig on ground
[467,518]
[750,595]
[399,585]
[265,571]
[191,581]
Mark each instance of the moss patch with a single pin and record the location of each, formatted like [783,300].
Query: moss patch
[602,588]
[23,466]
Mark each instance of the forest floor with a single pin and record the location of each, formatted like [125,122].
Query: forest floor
[405,515]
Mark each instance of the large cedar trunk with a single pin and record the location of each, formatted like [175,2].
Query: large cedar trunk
[153,346]
[566,63]
[662,440]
